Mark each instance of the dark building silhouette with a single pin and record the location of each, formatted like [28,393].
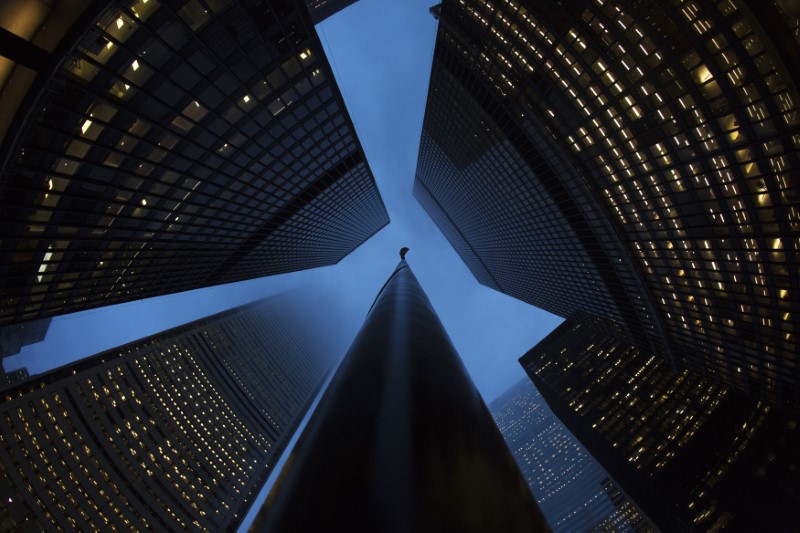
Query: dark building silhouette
[15,336]
[635,160]
[13,376]
[571,488]
[401,440]
[161,146]
[693,455]
[177,431]
[322,9]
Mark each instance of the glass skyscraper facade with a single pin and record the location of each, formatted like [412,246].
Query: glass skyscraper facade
[177,431]
[164,145]
[635,160]
[572,489]
[694,456]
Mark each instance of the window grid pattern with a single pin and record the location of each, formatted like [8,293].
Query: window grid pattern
[177,431]
[683,121]
[695,454]
[571,488]
[170,147]
[512,205]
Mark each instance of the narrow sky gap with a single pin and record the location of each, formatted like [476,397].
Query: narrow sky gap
[381,54]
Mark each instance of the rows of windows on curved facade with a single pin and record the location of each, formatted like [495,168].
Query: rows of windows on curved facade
[695,455]
[176,431]
[570,486]
[175,145]
[679,122]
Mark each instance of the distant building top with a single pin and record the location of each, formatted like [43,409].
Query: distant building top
[572,489]
[322,9]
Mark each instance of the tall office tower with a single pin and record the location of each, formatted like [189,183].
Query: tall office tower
[15,336]
[401,440]
[166,145]
[693,455]
[173,432]
[572,489]
[635,160]
[322,9]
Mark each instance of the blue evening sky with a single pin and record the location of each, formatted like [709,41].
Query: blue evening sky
[381,53]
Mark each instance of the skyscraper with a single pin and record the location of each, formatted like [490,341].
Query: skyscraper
[15,336]
[692,454]
[175,431]
[161,146]
[572,489]
[401,440]
[635,160]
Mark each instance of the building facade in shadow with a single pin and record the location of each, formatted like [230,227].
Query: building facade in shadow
[634,160]
[694,455]
[157,146]
[177,431]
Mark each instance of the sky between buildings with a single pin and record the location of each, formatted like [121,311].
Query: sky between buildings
[381,52]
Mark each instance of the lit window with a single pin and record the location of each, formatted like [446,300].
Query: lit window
[702,74]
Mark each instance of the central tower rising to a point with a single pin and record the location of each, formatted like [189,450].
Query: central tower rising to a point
[401,440]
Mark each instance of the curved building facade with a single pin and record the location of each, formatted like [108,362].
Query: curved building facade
[166,145]
[570,486]
[694,455]
[665,137]
[177,431]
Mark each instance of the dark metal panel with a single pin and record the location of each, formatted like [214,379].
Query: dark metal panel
[401,440]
